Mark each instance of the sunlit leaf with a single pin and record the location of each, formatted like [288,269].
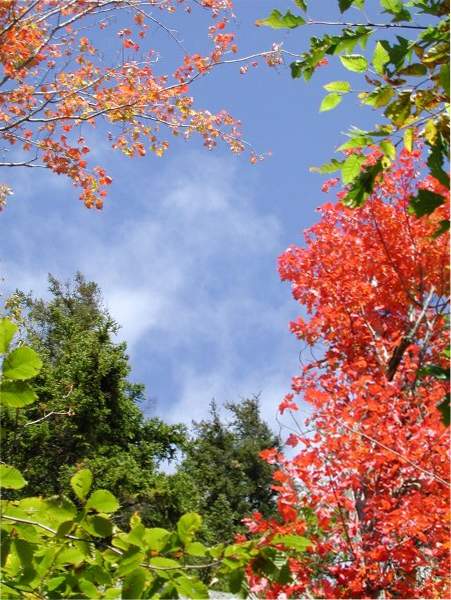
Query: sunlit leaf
[354,62]
[17,394]
[81,483]
[102,501]
[11,478]
[7,331]
[277,20]
[187,526]
[21,363]
[330,101]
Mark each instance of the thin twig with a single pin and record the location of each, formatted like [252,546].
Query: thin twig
[383,25]
[395,452]
[68,413]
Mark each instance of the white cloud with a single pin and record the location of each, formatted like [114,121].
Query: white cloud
[190,274]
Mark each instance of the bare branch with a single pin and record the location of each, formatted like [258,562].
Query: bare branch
[68,413]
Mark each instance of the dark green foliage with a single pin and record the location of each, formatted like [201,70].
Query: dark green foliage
[84,376]
[87,415]
[231,480]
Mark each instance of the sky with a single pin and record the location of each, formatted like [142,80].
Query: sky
[185,250]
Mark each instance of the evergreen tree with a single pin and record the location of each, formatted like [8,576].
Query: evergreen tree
[223,459]
[84,377]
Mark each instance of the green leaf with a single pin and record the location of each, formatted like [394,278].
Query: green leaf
[379,97]
[362,186]
[396,8]
[69,556]
[438,155]
[302,4]
[392,6]
[165,563]
[399,110]
[88,588]
[296,542]
[7,331]
[53,511]
[354,62]
[330,101]
[134,583]
[415,70]
[187,526]
[136,536]
[351,168]
[11,478]
[130,561]
[21,363]
[444,78]
[278,21]
[444,408]
[388,148]
[331,167]
[441,229]
[55,582]
[296,69]
[338,86]
[359,141]
[64,528]
[435,371]
[156,538]
[102,501]
[425,203]
[196,549]
[17,394]
[408,139]
[236,580]
[97,526]
[191,587]
[81,483]
[5,545]
[344,5]
[25,551]
[380,58]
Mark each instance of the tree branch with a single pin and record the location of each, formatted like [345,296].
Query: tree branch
[379,25]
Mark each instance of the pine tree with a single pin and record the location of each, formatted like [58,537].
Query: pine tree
[223,459]
[85,379]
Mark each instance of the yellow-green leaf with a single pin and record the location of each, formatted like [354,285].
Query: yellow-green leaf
[338,86]
[11,478]
[354,62]
[277,20]
[351,168]
[408,139]
[330,101]
[21,363]
[388,149]
[102,501]
[380,58]
[81,483]
[7,332]
[17,394]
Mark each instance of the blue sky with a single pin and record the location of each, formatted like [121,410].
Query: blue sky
[185,250]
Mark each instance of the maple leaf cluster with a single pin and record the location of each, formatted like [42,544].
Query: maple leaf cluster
[55,80]
[369,481]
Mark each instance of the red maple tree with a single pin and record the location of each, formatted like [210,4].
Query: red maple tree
[73,63]
[369,483]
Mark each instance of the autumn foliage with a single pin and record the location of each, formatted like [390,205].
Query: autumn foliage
[57,77]
[369,480]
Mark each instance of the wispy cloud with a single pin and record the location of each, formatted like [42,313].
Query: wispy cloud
[189,274]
